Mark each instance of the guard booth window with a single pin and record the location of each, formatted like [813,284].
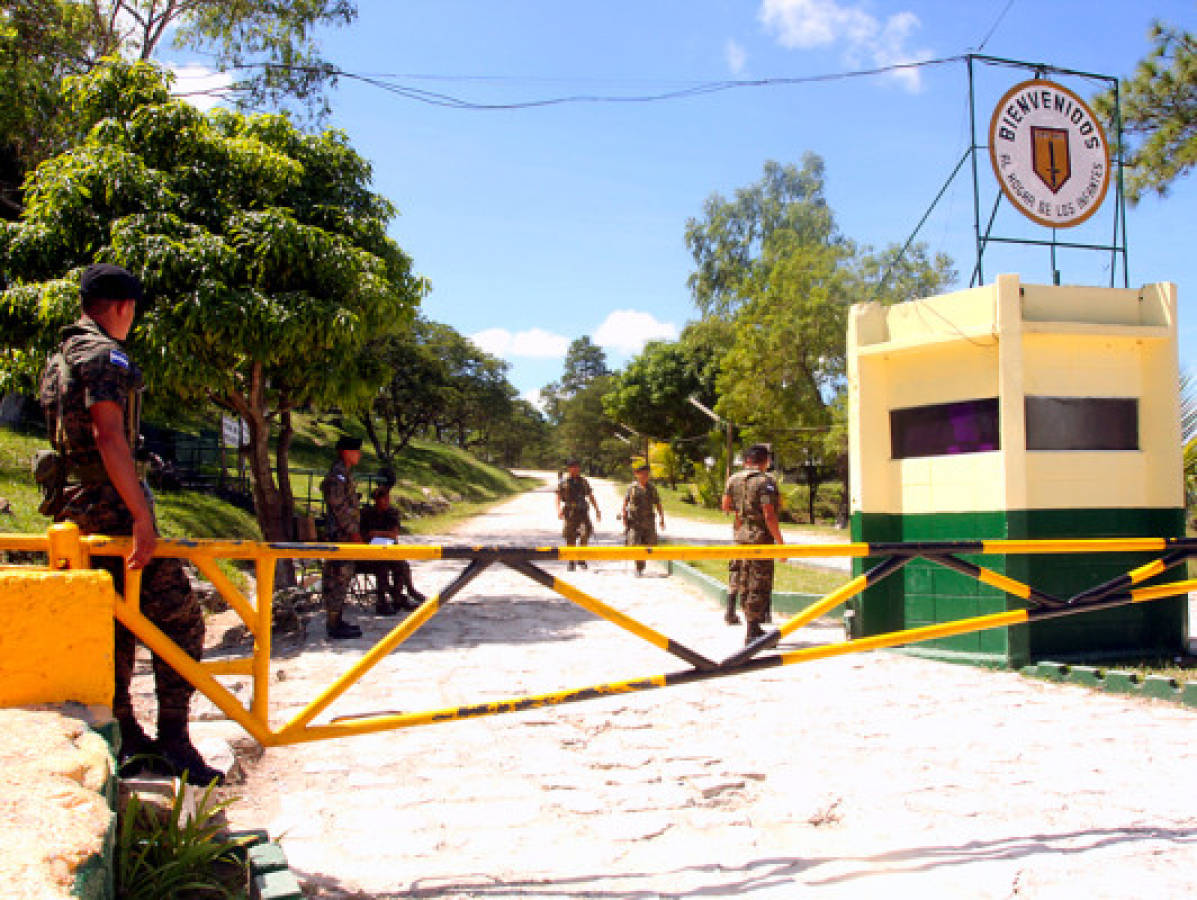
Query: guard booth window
[1082,423]
[944,429]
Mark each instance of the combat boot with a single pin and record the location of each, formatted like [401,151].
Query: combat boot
[137,753]
[730,616]
[180,755]
[569,566]
[582,564]
[754,631]
[384,607]
[340,630]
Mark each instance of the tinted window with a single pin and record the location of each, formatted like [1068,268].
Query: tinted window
[970,426]
[1082,423]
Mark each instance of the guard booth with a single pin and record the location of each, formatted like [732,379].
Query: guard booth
[1017,411]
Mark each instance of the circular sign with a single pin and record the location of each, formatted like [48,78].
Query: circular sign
[1049,153]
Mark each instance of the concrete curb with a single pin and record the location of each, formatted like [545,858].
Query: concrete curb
[270,878]
[1116,681]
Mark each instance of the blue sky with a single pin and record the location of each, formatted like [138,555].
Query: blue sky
[537,226]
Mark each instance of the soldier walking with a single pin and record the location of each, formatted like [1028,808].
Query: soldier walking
[752,495]
[640,528]
[342,525]
[91,394]
[573,493]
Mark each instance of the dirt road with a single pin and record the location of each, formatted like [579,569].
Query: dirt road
[861,776]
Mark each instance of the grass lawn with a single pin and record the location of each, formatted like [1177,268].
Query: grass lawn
[789,578]
[676,506]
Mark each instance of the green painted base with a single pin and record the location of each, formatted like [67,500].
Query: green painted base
[924,593]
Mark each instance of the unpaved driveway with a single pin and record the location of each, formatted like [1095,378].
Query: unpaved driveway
[868,775]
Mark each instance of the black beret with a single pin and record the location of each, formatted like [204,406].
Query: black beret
[348,442]
[643,467]
[757,452]
[105,281]
[572,462]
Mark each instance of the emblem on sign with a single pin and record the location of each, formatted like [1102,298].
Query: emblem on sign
[1049,153]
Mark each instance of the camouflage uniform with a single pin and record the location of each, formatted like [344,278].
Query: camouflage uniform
[92,367]
[390,577]
[752,579]
[639,517]
[343,522]
[575,494]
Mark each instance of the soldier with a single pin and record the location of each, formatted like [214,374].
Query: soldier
[342,525]
[91,394]
[382,521]
[573,492]
[752,495]
[639,526]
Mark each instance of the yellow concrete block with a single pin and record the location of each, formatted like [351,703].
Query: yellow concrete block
[56,637]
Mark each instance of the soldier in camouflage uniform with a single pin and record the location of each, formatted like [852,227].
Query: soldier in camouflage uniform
[343,525]
[752,495]
[640,528]
[573,492]
[90,392]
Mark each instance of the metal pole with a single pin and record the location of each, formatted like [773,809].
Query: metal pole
[972,125]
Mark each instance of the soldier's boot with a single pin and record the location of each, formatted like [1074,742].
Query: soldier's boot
[730,616]
[339,629]
[754,631]
[582,564]
[384,607]
[569,566]
[639,567]
[137,752]
[175,746]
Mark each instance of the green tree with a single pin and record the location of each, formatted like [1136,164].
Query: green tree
[651,394]
[521,438]
[1159,112]
[773,270]
[263,251]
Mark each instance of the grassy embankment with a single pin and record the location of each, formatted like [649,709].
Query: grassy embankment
[445,472]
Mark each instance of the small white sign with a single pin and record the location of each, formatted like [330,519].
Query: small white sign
[235,432]
[1049,153]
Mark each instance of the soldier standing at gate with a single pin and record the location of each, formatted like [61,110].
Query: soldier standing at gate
[342,525]
[573,493]
[640,529]
[752,495]
[91,394]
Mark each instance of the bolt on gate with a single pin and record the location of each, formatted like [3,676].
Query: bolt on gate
[68,549]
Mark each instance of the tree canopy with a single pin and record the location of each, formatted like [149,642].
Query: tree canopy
[263,251]
[1159,112]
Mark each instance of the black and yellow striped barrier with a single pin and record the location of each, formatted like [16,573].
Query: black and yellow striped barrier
[66,549]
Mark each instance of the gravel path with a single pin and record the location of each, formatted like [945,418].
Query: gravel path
[860,776]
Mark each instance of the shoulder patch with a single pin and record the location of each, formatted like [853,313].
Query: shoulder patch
[117,357]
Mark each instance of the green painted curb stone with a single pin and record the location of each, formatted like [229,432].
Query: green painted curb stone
[1052,671]
[1118,682]
[275,886]
[1188,694]
[1160,687]
[267,858]
[1089,676]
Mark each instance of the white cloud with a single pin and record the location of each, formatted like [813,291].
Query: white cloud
[867,41]
[535,342]
[736,56]
[534,397]
[627,330]
[199,85]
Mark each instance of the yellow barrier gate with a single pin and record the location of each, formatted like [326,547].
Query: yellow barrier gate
[67,549]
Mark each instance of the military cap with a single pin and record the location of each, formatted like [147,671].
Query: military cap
[105,281]
[349,442]
[757,452]
[572,461]
[643,467]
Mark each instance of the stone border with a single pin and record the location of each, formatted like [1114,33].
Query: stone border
[270,878]
[1116,681]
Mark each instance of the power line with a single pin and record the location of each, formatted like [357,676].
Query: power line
[993,27]
[393,85]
